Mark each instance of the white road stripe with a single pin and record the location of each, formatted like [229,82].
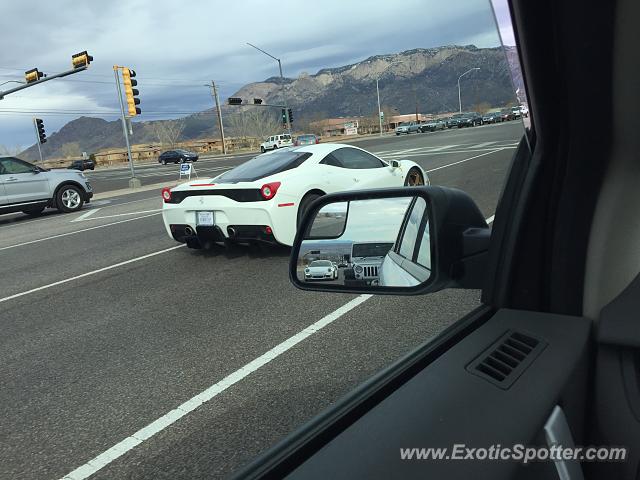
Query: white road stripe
[490,219]
[119,449]
[444,147]
[83,275]
[465,160]
[120,215]
[447,152]
[85,215]
[75,232]
[480,145]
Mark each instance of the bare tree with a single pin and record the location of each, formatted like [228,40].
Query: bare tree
[8,151]
[168,132]
[261,122]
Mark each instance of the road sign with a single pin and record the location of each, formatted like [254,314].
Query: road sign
[185,170]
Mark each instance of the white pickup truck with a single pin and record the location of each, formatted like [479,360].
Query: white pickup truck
[276,141]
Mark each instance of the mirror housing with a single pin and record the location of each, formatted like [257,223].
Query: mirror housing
[459,233]
[36,169]
[394,164]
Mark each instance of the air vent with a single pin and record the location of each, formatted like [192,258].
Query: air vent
[507,358]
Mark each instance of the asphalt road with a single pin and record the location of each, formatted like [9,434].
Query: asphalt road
[108,326]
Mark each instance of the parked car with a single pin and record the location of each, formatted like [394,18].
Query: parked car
[516,113]
[177,156]
[492,117]
[454,119]
[507,114]
[262,199]
[276,141]
[321,270]
[407,128]
[469,119]
[27,188]
[432,126]
[307,139]
[82,165]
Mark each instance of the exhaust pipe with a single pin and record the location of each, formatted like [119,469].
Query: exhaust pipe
[231,231]
[188,231]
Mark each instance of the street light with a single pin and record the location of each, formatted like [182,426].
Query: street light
[459,97]
[379,110]
[284,97]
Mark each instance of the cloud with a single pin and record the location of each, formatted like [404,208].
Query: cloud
[177,48]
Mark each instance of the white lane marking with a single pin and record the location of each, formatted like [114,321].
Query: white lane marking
[75,232]
[119,449]
[93,272]
[118,215]
[85,215]
[490,219]
[444,147]
[448,152]
[401,152]
[464,160]
[485,144]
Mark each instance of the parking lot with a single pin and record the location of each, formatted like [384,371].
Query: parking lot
[109,326]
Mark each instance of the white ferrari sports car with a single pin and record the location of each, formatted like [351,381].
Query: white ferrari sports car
[264,199]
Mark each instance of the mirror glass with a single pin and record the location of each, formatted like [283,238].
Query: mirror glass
[368,244]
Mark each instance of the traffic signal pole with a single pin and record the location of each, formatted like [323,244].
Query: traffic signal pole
[133,181]
[35,127]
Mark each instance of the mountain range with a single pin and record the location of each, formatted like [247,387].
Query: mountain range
[422,79]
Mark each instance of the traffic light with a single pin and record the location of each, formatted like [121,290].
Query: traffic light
[33,75]
[82,59]
[235,101]
[257,101]
[284,116]
[40,128]
[130,92]
[290,116]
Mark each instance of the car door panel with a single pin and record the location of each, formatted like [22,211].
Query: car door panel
[21,183]
[3,195]
[438,407]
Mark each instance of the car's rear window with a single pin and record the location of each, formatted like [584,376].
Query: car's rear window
[370,249]
[264,165]
[285,137]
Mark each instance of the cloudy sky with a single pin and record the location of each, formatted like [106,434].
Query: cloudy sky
[178,46]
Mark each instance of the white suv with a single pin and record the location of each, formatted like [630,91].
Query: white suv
[276,141]
[27,188]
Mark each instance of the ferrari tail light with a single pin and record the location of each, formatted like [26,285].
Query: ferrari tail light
[166,194]
[268,190]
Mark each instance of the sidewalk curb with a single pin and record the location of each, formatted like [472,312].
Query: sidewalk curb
[143,188]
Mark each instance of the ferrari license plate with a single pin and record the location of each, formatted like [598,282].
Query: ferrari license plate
[204,218]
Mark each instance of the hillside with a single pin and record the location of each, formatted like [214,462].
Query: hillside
[421,78]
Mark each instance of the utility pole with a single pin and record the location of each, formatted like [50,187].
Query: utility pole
[214,93]
[379,110]
[35,127]
[133,181]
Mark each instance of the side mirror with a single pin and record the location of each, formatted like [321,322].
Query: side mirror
[393,241]
[394,164]
[36,169]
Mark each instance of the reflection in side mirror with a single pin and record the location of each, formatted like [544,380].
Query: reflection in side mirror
[395,164]
[371,244]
